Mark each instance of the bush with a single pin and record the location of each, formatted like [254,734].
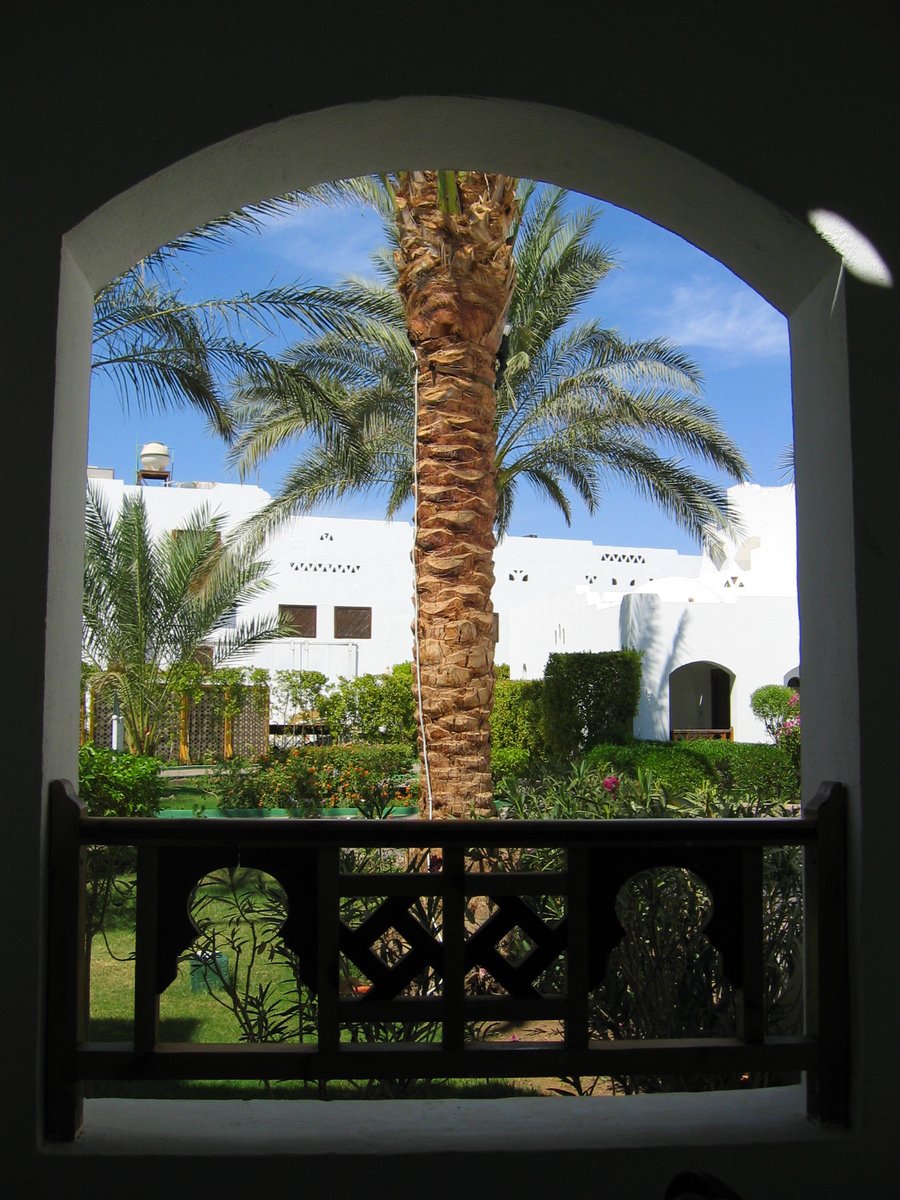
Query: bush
[373,708]
[509,763]
[590,698]
[384,759]
[309,777]
[517,718]
[773,704]
[753,769]
[115,784]
[370,778]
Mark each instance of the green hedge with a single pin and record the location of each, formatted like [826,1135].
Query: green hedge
[747,767]
[509,762]
[517,719]
[590,697]
[383,759]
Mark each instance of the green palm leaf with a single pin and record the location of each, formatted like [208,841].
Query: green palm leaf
[577,404]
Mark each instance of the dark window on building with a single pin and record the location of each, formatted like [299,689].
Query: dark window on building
[300,617]
[203,656]
[352,622]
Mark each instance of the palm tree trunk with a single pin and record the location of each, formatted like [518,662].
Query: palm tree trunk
[455,278]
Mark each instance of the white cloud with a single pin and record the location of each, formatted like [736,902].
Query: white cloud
[324,244]
[730,319]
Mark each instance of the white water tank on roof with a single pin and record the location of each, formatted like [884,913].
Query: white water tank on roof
[155,458]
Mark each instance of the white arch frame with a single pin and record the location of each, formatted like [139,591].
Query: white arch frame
[788,264]
[772,252]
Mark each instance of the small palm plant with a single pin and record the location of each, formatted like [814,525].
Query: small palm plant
[152,605]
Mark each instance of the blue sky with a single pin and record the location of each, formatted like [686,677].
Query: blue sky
[662,287]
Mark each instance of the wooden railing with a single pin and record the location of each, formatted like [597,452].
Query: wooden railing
[705,735]
[596,859]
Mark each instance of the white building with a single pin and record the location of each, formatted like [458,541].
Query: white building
[710,633]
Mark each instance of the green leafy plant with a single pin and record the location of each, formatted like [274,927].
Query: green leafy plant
[245,964]
[113,785]
[749,768]
[517,719]
[589,698]
[773,704]
[373,708]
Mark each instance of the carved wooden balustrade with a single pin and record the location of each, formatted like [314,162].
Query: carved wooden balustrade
[595,858]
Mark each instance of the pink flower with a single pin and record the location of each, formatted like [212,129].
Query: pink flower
[611,782]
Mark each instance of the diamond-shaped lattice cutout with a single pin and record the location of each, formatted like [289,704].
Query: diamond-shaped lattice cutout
[517,945]
[515,920]
[391,947]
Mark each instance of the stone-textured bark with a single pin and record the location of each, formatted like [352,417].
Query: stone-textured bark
[456,278]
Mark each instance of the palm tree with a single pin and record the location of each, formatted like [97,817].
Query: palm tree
[162,351]
[151,605]
[508,388]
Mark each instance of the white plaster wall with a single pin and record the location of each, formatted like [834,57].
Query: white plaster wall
[755,638]
[550,594]
[763,557]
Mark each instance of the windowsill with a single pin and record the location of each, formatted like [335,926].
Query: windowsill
[310,1127]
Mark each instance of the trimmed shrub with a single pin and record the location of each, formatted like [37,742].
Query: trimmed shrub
[509,762]
[773,704]
[590,697]
[385,759]
[294,778]
[753,769]
[517,718]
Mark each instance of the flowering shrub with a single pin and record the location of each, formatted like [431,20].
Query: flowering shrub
[771,704]
[787,735]
[267,784]
[354,786]
[307,778]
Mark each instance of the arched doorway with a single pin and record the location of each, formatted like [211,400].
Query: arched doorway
[700,701]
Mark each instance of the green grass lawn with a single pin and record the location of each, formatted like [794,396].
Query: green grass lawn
[185,793]
[200,1017]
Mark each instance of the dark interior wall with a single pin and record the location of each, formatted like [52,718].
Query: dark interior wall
[797,103]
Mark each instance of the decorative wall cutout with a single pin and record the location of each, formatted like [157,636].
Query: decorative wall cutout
[609,556]
[326,568]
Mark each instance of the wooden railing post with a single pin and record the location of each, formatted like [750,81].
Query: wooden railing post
[66,1018]
[577,925]
[146,997]
[328,966]
[453,944]
[752,1017]
[827,976]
